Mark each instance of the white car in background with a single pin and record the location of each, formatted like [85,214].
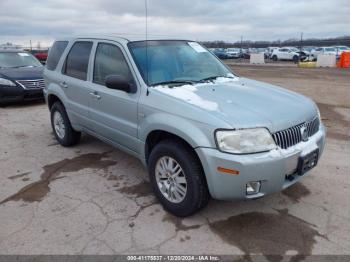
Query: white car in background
[324,51]
[234,52]
[340,49]
[285,53]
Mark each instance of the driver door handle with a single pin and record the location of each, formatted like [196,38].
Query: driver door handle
[95,95]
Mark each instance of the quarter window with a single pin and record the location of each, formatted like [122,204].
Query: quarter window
[55,54]
[110,60]
[77,61]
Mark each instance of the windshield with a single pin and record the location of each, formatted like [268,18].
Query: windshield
[176,61]
[330,49]
[17,59]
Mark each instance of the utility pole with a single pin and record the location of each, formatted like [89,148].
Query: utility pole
[301,41]
[30,44]
[301,45]
[241,43]
[242,47]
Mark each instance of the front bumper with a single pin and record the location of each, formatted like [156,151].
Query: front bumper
[17,94]
[270,168]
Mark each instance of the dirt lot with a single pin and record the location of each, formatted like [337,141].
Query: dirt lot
[93,199]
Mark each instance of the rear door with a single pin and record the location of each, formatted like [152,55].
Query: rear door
[74,81]
[113,112]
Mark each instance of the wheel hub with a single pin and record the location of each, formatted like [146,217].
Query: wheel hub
[59,126]
[171,179]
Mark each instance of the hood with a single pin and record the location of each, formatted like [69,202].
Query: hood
[23,73]
[245,103]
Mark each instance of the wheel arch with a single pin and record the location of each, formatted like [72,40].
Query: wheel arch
[156,136]
[160,125]
[51,99]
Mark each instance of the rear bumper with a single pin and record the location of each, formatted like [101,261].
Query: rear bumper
[17,94]
[269,168]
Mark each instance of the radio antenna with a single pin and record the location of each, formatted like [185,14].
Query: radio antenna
[146,17]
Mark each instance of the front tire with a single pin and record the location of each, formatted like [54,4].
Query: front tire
[274,58]
[61,126]
[295,59]
[177,178]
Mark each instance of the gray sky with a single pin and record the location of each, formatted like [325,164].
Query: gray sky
[45,20]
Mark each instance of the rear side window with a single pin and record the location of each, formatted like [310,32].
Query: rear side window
[55,54]
[77,61]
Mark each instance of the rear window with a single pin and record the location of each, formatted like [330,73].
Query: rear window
[77,61]
[55,54]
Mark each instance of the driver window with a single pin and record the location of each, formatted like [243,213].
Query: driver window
[109,60]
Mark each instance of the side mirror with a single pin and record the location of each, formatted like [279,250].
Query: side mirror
[119,82]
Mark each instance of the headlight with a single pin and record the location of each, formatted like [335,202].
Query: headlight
[245,141]
[6,82]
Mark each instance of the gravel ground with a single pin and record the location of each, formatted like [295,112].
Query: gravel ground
[94,199]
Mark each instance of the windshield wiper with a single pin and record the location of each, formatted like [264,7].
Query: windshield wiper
[21,66]
[211,78]
[174,82]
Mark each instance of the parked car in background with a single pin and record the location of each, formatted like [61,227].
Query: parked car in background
[21,77]
[41,55]
[234,52]
[224,136]
[245,53]
[221,53]
[285,53]
[323,51]
[308,49]
[340,49]
[270,50]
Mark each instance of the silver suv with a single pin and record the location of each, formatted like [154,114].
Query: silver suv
[201,130]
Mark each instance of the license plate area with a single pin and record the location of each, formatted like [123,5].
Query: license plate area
[308,162]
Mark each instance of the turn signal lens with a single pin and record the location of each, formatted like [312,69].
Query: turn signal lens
[228,171]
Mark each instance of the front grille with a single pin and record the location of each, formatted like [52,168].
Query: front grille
[292,136]
[32,84]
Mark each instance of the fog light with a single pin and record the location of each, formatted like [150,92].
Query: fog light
[253,187]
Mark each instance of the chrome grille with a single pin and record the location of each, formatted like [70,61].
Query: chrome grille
[32,84]
[292,136]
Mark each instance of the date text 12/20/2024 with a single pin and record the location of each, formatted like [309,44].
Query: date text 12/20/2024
[173,258]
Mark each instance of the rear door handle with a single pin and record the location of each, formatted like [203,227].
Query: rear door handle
[95,95]
[64,84]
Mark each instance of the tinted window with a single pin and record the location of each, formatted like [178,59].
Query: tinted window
[109,60]
[77,61]
[55,54]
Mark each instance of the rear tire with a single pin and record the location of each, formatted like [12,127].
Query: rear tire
[274,58]
[194,185]
[61,126]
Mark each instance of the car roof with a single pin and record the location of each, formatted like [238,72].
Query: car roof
[119,39]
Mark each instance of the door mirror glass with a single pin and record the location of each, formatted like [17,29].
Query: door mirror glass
[119,82]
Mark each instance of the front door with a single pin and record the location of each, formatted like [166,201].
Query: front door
[113,112]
